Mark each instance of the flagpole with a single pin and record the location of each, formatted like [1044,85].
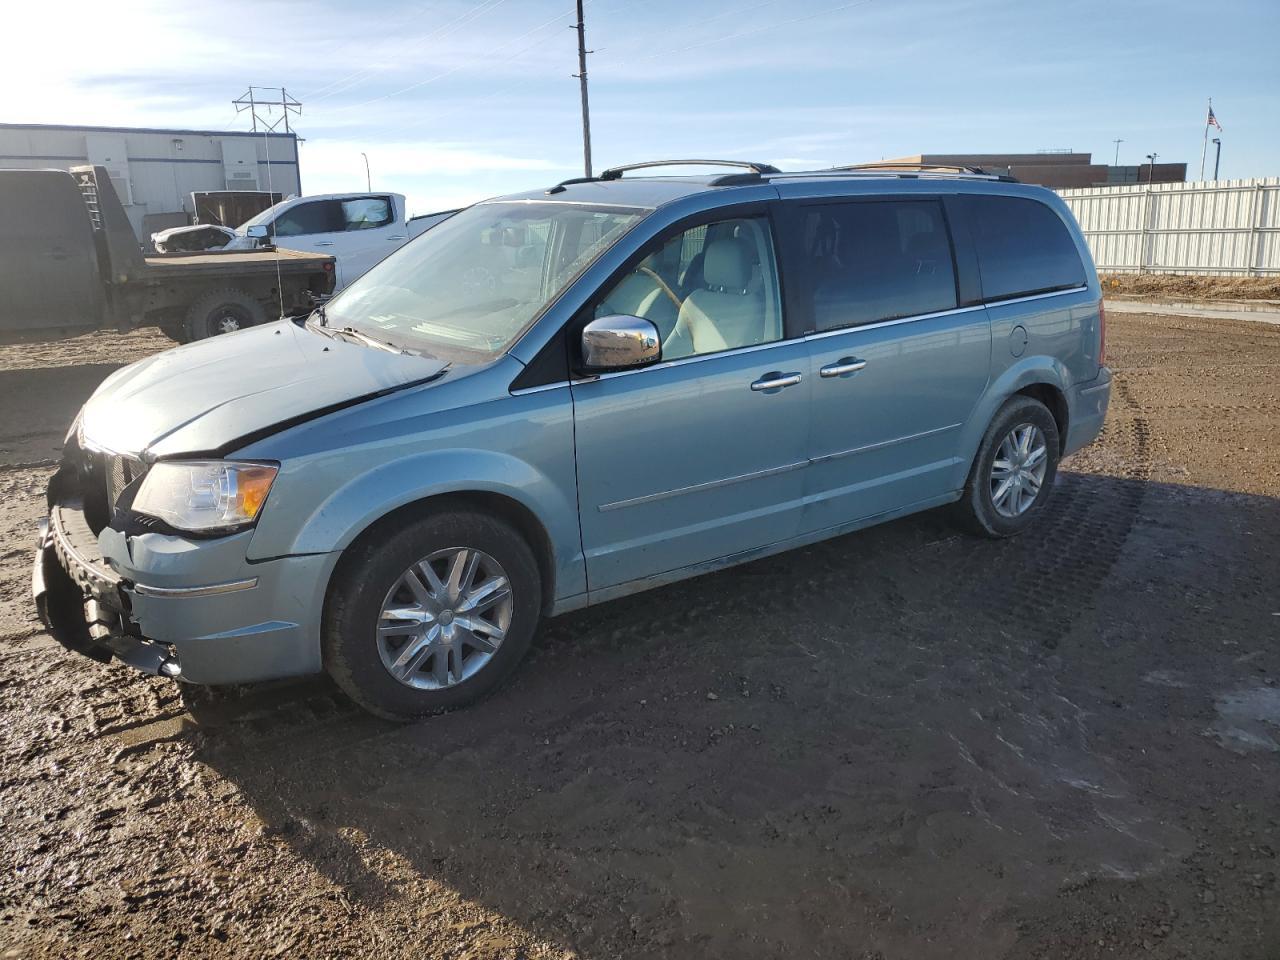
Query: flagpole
[1204,148]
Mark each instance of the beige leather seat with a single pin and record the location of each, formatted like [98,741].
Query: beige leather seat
[728,311]
[639,295]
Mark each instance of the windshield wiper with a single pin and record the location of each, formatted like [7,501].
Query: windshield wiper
[362,337]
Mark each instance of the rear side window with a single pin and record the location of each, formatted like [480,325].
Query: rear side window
[366,213]
[1023,248]
[880,260]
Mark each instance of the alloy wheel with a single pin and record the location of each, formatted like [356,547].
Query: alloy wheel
[444,618]
[1017,473]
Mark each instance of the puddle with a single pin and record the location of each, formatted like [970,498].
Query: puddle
[1248,720]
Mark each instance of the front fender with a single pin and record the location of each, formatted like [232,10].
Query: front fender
[335,522]
[1022,373]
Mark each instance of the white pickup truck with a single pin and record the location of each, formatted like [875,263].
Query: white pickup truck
[357,229]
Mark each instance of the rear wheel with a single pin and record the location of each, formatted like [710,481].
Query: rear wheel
[1012,475]
[223,311]
[431,615]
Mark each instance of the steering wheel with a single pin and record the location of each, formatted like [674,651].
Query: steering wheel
[662,285]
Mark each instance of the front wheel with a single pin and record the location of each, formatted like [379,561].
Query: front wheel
[1012,475]
[432,615]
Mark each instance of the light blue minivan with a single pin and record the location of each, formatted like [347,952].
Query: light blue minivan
[554,399]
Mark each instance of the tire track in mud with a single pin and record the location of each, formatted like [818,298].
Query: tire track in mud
[1062,563]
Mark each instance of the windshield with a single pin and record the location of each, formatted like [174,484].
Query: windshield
[476,281]
[263,217]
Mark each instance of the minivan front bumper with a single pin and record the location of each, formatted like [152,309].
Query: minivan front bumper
[1086,411]
[194,609]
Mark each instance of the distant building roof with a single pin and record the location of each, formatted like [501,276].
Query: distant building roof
[1057,169]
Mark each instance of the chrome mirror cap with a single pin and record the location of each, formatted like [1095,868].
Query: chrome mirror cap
[619,342]
[258,231]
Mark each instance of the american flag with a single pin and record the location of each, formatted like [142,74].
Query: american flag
[1212,121]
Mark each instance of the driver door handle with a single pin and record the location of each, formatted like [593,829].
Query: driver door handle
[776,380]
[324,243]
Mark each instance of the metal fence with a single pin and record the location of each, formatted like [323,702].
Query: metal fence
[1223,227]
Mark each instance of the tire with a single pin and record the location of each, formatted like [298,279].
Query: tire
[222,311]
[372,575]
[979,510]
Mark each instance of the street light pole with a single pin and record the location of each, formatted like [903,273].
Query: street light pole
[1117,143]
[1151,167]
[368,181]
[1217,157]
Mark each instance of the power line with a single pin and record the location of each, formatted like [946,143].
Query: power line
[386,45]
[439,33]
[455,69]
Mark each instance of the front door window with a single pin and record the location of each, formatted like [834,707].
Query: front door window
[711,288]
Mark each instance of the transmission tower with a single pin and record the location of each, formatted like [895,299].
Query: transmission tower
[262,102]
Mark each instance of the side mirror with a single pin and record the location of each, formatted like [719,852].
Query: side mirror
[619,342]
[258,231]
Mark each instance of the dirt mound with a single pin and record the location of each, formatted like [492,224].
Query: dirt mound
[1164,286]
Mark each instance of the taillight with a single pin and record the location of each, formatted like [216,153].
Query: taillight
[1102,334]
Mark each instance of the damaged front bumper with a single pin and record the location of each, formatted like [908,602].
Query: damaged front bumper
[196,610]
[82,602]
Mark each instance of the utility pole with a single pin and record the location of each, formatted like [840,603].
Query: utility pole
[1217,157]
[582,82]
[261,103]
[368,181]
[1117,143]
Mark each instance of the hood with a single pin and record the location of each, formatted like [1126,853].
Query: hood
[207,395]
[192,228]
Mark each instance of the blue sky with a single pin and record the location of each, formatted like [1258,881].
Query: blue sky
[456,100]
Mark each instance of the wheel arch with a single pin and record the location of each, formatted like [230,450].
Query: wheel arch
[500,505]
[516,491]
[1052,397]
[1042,378]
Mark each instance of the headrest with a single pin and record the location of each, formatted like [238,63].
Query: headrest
[726,265]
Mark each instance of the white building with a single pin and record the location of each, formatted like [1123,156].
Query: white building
[155,171]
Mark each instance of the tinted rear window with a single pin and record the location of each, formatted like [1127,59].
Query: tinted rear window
[1023,248]
[870,261]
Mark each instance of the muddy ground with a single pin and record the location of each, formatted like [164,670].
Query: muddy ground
[903,744]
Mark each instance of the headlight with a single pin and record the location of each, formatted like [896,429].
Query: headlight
[75,431]
[205,495]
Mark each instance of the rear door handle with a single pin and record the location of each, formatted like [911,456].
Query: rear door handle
[775,380]
[842,367]
[324,243]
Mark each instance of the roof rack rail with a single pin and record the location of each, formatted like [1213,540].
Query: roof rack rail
[908,167]
[615,173]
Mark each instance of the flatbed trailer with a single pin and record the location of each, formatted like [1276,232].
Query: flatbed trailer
[70,264]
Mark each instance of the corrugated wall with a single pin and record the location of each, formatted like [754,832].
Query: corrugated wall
[1224,227]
